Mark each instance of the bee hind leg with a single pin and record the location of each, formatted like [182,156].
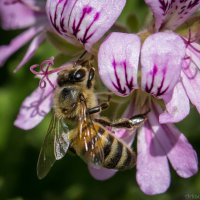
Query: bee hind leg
[132,123]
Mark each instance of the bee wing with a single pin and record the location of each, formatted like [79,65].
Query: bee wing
[90,139]
[54,147]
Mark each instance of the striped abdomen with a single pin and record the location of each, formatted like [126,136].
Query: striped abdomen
[117,155]
[103,148]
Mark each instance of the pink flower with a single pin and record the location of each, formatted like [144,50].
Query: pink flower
[169,15]
[155,68]
[162,69]
[36,106]
[64,16]
[20,14]
[83,22]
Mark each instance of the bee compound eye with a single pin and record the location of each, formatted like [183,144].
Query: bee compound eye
[79,75]
[61,81]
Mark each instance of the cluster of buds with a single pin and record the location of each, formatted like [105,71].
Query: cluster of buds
[158,67]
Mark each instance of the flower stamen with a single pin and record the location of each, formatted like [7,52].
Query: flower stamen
[188,42]
[44,72]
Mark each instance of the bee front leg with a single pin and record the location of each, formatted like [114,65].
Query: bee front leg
[98,108]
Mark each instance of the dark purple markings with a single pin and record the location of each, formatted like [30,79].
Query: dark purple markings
[63,18]
[86,37]
[165,6]
[76,26]
[54,18]
[192,4]
[153,74]
[35,105]
[117,86]
[129,83]
[160,90]
[181,9]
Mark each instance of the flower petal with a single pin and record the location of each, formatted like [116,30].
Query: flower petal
[118,59]
[170,14]
[31,50]
[161,59]
[153,174]
[7,50]
[36,106]
[191,76]
[84,21]
[180,153]
[101,173]
[15,15]
[35,5]
[177,108]
[182,157]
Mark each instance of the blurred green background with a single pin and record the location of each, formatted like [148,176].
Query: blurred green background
[69,178]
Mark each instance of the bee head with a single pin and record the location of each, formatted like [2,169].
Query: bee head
[71,84]
[78,75]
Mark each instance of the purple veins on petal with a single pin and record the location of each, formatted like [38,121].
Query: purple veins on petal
[153,74]
[53,18]
[160,91]
[192,4]
[164,6]
[117,85]
[129,84]
[161,59]
[35,107]
[191,70]
[76,27]
[83,22]
[118,62]
[86,37]
[170,14]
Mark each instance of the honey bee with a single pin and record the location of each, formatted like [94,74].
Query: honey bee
[76,125]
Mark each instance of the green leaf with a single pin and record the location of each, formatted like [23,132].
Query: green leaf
[132,23]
